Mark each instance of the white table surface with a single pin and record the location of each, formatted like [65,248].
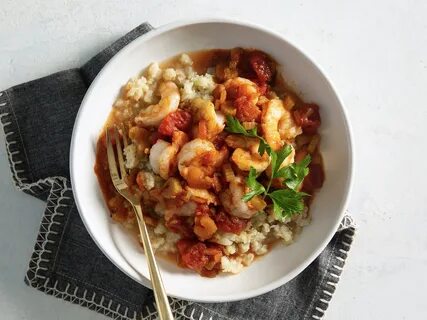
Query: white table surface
[375,52]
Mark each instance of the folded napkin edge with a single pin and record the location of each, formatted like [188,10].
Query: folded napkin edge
[332,274]
[39,270]
[37,275]
[18,166]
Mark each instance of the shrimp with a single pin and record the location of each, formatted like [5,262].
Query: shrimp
[278,125]
[205,110]
[245,160]
[163,158]
[246,153]
[200,195]
[155,113]
[271,115]
[237,141]
[238,87]
[191,150]
[198,161]
[288,129]
[232,202]
[170,209]
[243,95]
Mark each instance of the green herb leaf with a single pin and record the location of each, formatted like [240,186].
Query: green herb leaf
[256,187]
[305,162]
[290,202]
[263,147]
[234,126]
[248,196]
[285,173]
[286,202]
[277,210]
[253,132]
[297,173]
[281,155]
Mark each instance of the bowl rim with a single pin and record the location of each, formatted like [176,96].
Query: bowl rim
[349,137]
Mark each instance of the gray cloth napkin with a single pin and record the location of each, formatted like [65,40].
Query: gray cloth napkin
[38,118]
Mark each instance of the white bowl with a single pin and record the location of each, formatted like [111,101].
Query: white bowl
[282,263]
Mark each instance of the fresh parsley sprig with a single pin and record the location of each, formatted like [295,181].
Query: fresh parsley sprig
[294,174]
[234,126]
[286,201]
[256,187]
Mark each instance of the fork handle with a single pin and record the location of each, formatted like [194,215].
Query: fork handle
[163,307]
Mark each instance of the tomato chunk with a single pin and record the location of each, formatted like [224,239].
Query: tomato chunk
[262,66]
[192,254]
[308,117]
[227,223]
[246,110]
[196,255]
[178,120]
[255,65]
[262,88]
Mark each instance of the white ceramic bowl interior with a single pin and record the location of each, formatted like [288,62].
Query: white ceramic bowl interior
[283,263]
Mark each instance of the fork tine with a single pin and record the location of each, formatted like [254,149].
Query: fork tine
[111,158]
[120,154]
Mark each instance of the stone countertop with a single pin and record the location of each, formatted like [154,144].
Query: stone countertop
[375,53]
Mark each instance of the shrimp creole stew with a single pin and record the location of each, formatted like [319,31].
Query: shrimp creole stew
[224,158]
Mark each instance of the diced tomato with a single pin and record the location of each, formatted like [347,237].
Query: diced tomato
[308,117]
[183,244]
[261,65]
[227,223]
[246,110]
[262,88]
[198,256]
[192,254]
[178,120]
[314,180]
[203,209]
[256,66]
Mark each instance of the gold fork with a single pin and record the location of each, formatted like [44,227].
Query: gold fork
[118,177]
